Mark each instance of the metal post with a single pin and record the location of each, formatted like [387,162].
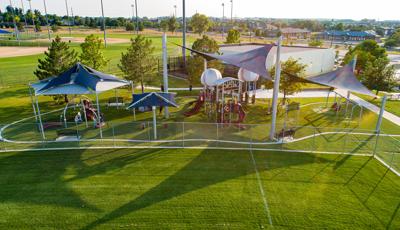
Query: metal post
[47,19]
[223,20]
[40,120]
[134,109]
[231,11]
[137,18]
[184,32]
[361,113]
[154,122]
[276,89]
[84,113]
[68,19]
[104,24]
[98,115]
[327,99]
[33,103]
[23,12]
[165,69]
[15,23]
[379,123]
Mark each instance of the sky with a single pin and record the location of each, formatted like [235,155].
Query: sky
[327,9]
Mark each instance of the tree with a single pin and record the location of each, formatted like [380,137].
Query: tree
[92,54]
[339,27]
[233,37]
[58,58]
[138,62]
[172,24]
[200,23]
[393,40]
[164,25]
[55,28]
[289,82]
[367,51]
[378,75]
[195,64]
[129,26]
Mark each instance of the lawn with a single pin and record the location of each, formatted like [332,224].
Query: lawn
[196,189]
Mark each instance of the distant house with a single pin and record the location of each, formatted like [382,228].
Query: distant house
[336,35]
[288,32]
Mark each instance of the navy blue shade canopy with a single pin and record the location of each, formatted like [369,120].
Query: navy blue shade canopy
[78,80]
[153,99]
[5,32]
[252,60]
[342,78]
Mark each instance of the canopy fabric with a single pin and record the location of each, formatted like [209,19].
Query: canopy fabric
[253,60]
[153,99]
[79,79]
[5,32]
[342,78]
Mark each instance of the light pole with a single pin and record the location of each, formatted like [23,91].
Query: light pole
[137,18]
[184,32]
[33,16]
[133,16]
[23,12]
[223,19]
[68,21]
[104,24]
[14,22]
[72,16]
[175,11]
[47,19]
[231,10]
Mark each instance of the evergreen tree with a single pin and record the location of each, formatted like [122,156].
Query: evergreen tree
[58,58]
[92,54]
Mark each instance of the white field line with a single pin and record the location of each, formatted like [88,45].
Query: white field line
[387,166]
[260,186]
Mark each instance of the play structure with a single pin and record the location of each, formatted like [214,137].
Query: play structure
[222,98]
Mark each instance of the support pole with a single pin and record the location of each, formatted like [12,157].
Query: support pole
[276,89]
[134,109]
[98,115]
[40,120]
[379,123]
[33,103]
[104,25]
[137,18]
[154,122]
[68,19]
[184,32]
[47,19]
[15,23]
[165,70]
[84,113]
[327,99]
[347,103]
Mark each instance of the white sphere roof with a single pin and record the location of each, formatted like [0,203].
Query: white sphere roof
[210,76]
[245,75]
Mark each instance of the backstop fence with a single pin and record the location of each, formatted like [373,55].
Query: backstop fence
[27,136]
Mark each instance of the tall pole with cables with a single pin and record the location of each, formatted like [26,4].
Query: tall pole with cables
[47,19]
[104,24]
[68,19]
[137,18]
[184,32]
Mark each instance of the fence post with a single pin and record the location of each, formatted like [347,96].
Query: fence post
[313,145]
[113,134]
[377,136]
[183,134]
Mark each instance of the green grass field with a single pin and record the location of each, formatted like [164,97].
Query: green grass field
[195,189]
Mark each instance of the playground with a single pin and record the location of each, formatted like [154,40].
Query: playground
[206,155]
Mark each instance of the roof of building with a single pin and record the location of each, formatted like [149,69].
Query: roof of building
[350,33]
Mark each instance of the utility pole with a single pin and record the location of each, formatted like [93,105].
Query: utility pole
[15,23]
[47,19]
[104,24]
[137,18]
[33,16]
[276,89]
[23,12]
[175,11]
[231,11]
[184,32]
[133,16]
[68,20]
[223,19]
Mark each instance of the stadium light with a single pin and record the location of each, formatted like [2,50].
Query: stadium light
[137,18]
[23,12]
[33,16]
[223,19]
[104,24]
[69,23]
[47,19]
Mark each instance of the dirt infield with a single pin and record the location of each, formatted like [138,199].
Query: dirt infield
[20,51]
